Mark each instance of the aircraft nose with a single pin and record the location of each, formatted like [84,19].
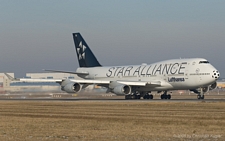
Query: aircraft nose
[215,74]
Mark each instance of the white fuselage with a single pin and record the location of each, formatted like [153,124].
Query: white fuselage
[173,74]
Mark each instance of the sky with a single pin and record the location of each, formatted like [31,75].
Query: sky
[37,34]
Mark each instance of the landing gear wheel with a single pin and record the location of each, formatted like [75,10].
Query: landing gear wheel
[127,96]
[148,96]
[137,97]
[165,95]
[133,97]
[200,96]
[151,96]
[145,97]
[168,96]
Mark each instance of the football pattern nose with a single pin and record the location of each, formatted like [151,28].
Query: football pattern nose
[216,74]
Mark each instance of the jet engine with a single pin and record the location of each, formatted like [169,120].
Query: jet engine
[71,87]
[198,91]
[205,89]
[122,90]
[213,86]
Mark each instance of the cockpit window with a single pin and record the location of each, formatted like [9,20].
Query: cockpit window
[203,62]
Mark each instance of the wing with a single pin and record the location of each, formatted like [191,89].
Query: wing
[107,83]
[32,80]
[90,81]
[81,81]
[140,83]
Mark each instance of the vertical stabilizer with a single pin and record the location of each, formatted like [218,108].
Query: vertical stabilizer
[84,54]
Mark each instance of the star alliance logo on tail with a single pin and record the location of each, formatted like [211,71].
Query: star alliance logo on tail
[81,51]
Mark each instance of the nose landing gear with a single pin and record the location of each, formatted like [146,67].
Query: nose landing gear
[201,94]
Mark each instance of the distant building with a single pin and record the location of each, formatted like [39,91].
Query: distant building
[221,83]
[4,81]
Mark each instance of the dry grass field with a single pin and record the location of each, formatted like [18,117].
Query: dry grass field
[111,120]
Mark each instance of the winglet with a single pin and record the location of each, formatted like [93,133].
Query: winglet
[10,77]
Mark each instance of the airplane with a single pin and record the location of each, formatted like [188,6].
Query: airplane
[137,81]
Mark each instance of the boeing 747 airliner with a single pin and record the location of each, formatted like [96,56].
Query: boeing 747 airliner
[136,81]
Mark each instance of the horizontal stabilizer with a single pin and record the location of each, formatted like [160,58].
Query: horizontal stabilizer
[60,71]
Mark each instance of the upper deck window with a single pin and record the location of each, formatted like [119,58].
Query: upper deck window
[204,62]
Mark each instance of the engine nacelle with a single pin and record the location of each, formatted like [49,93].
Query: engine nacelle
[213,86]
[205,89]
[71,87]
[198,91]
[122,90]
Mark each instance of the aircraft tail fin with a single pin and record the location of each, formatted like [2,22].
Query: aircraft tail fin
[84,54]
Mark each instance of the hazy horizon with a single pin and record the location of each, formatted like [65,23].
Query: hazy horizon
[37,35]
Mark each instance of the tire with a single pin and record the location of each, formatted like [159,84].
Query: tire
[151,96]
[144,97]
[133,96]
[203,97]
[137,97]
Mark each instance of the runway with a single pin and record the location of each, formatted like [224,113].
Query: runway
[112,100]
[212,97]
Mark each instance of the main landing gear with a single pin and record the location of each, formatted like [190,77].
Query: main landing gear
[138,95]
[148,96]
[132,96]
[165,95]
